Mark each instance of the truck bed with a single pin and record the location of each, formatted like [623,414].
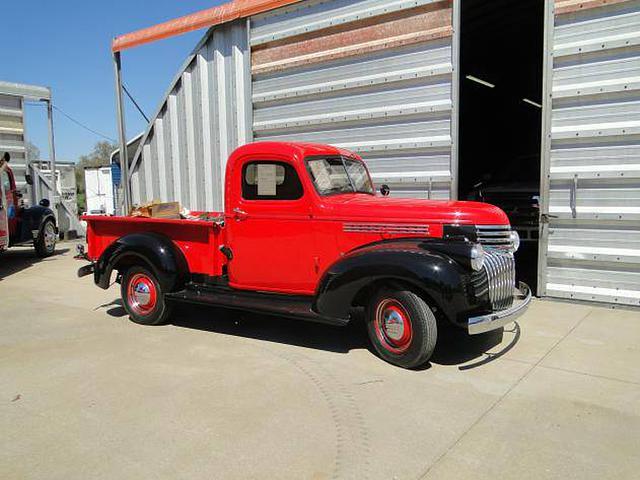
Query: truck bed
[199,240]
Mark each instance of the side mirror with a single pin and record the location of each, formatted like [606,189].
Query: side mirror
[6,157]
[385,190]
[44,203]
[29,179]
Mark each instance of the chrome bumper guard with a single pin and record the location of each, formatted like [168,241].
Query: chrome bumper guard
[495,320]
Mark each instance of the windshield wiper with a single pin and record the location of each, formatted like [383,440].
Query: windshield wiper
[344,165]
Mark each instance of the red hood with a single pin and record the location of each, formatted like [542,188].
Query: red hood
[368,208]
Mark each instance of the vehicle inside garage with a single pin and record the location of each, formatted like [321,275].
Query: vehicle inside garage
[500,114]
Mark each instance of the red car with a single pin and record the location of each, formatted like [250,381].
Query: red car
[19,225]
[304,235]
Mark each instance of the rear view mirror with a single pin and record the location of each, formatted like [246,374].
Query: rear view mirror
[385,190]
[28,179]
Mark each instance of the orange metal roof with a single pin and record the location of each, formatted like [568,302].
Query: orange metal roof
[206,18]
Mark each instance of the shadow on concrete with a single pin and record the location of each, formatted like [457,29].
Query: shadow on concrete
[271,328]
[17,259]
[454,347]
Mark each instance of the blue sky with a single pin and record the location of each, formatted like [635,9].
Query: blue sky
[65,44]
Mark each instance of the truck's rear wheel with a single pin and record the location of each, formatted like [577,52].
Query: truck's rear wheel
[45,244]
[401,327]
[143,297]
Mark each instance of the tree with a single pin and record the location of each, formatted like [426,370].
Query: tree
[100,156]
[33,152]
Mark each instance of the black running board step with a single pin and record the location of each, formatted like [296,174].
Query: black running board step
[274,304]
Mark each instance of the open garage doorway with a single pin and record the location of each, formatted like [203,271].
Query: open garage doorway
[501,58]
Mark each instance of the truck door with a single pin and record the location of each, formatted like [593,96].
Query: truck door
[5,191]
[269,228]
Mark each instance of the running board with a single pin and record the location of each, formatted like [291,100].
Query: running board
[269,303]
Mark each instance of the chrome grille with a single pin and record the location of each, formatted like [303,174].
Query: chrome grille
[494,236]
[500,268]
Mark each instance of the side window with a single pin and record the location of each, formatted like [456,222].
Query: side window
[265,180]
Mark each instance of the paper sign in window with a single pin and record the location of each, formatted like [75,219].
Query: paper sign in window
[267,180]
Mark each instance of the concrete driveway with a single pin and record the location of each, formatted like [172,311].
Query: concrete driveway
[86,394]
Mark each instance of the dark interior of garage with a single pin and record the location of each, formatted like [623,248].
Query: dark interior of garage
[500,114]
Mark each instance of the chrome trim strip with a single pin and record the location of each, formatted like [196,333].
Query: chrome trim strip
[398,228]
[495,320]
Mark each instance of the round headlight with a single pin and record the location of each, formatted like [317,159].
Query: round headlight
[515,240]
[477,257]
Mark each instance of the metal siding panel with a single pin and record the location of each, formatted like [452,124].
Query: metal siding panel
[222,96]
[207,157]
[12,132]
[159,132]
[184,160]
[422,61]
[172,108]
[593,243]
[205,115]
[217,170]
[148,172]
[392,106]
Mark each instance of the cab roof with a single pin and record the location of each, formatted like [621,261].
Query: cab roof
[293,149]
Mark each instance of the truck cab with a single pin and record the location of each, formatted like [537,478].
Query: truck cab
[20,225]
[304,234]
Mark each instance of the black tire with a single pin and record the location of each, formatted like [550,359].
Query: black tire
[411,344]
[143,297]
[45,243]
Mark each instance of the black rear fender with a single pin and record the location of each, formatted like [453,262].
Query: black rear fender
[152,250]
[32,220]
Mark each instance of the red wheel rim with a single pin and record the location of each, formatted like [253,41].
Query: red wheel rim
[142,294]
[393,326]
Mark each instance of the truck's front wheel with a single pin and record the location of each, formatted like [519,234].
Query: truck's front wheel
[143,297]
[401,327]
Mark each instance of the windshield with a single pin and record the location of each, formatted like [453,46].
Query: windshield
[339,175]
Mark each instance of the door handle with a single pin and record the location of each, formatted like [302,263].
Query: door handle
[239,215]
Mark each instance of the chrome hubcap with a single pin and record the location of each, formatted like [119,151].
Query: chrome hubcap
[141,294]
[393,325]
[49,236]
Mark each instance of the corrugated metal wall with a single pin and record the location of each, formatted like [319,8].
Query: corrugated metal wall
[593,154]
[373,76]
[205,115]
[12,136]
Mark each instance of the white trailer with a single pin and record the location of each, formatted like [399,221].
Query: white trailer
[99,191]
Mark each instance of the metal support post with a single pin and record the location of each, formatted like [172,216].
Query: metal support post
[124,158]
[52,159]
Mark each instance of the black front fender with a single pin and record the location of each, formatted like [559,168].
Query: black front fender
[153,250]
[434,268]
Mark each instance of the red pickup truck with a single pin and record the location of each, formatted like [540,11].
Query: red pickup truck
[304,235]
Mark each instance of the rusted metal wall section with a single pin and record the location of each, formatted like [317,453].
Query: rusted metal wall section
[204,116]
[374,76]
[592,248]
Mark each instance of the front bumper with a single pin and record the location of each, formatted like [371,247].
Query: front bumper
[495,320]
